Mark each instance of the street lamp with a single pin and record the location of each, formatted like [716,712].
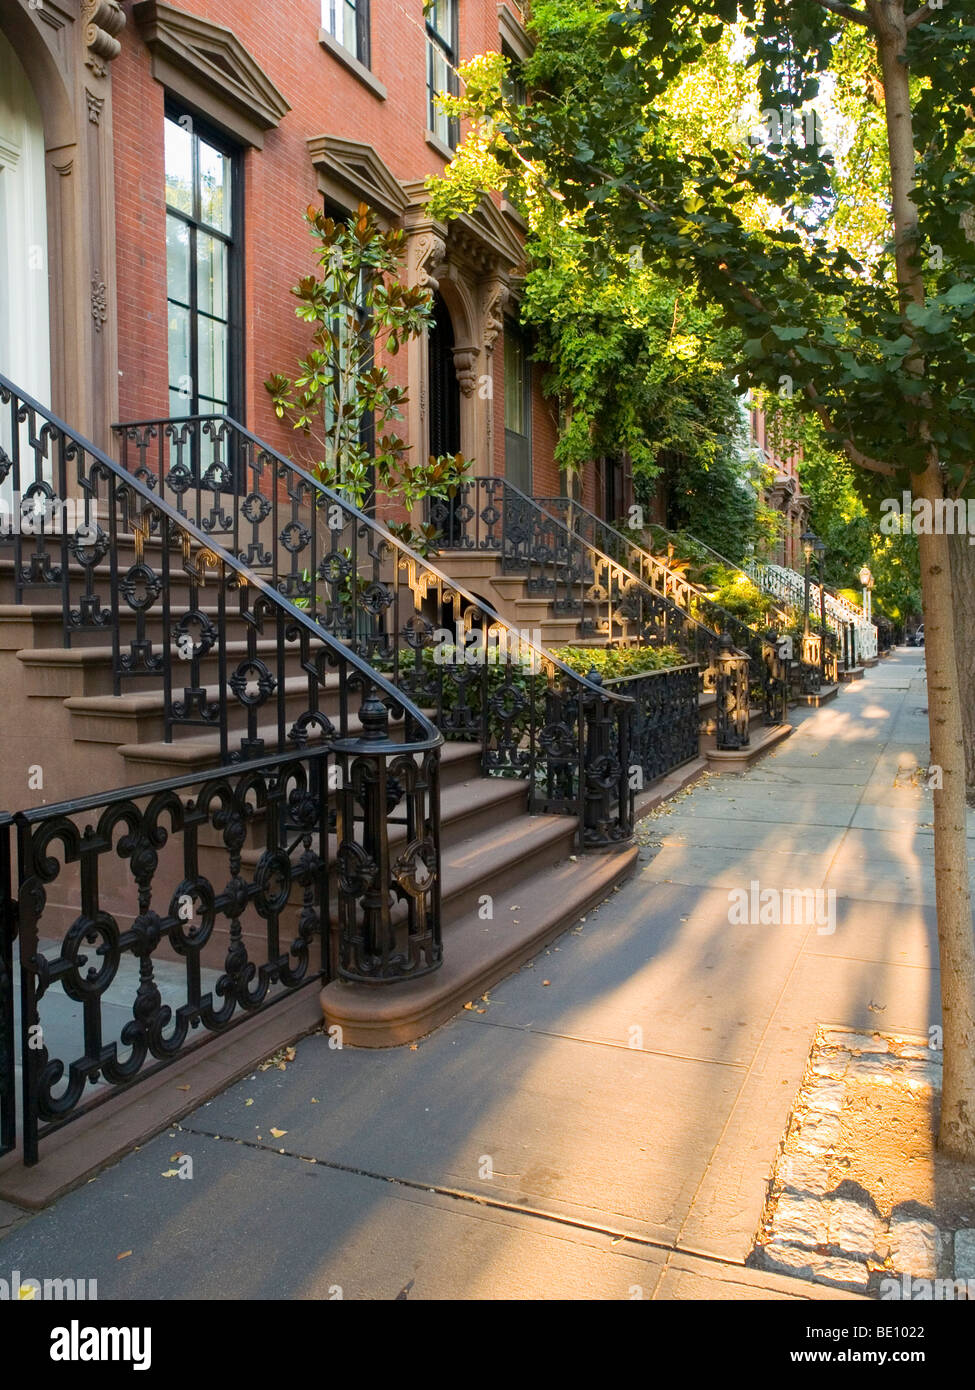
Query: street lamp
[819,546]
[808,540]
[866,580]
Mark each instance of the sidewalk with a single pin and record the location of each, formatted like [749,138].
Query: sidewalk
[604,1125]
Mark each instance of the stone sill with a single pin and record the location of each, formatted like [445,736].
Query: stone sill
[357,69]
[442,149]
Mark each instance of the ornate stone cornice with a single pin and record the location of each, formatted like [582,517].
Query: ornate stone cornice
[208,66]
[351,172]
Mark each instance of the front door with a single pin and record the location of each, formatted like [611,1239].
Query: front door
[25,341]
[444,404]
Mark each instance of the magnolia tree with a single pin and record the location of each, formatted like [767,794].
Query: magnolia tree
[342,399]
[879,348]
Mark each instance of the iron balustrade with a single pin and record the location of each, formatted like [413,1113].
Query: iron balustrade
[206,909]
[733,697]
[660,576]
[447,650]
[294,689]
[776,685]
[666,722]
[608,599]
[262,831]
[653,571]
[788,585]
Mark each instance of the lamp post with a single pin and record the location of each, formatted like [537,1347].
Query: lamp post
[808,540]
[866,580]
[819,546]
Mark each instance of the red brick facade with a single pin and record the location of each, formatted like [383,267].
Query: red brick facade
[327,97]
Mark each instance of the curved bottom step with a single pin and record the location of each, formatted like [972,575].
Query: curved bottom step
[477,954]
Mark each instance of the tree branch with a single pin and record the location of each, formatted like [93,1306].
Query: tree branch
[913,20]
[855,455]
[846,11]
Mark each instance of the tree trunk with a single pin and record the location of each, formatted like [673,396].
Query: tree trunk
[963,588]
[956,943]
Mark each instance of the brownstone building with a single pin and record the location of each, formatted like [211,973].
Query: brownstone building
[157,160]
[784,494]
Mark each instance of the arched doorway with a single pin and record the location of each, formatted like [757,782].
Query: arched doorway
[25,340]
[444,387]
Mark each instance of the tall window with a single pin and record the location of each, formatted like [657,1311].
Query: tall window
[202,270]
[348,22]
[513,88]
[517,409]
[441,67]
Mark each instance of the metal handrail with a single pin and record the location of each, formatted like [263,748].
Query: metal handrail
[432,738]
[361,518]
[577,704]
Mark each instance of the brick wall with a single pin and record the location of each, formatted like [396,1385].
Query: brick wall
[279,182]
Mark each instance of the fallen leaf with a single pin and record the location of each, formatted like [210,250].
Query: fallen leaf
[170,1173]
[278,1132]
[248,1102]
[469,1004]
[182,1088]
[124,1255]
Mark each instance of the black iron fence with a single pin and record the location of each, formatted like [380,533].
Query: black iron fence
[609,600]
[666,721]
[449,652]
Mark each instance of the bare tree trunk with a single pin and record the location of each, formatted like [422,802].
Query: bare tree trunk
[956,943]
[963,590]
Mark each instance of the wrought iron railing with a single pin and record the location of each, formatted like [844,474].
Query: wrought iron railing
[264,831]
[448,651]
[660,575]
[607,599]
[606,538]
[295,688]
[666,720]
[790,586]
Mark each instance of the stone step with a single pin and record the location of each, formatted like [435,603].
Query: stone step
[62,672]
[140,717]
[148,762]
[530,910]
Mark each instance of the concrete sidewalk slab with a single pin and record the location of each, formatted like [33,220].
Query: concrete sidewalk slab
[547,1115]
[734,869]
[693,986]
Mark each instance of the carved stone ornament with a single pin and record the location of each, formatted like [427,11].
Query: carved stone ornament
[465,365]
[102,20]
[99,306]
[95,105]
[431,252]
[497,296]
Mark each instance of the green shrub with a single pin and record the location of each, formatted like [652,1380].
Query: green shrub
[612,662]
[743,599]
